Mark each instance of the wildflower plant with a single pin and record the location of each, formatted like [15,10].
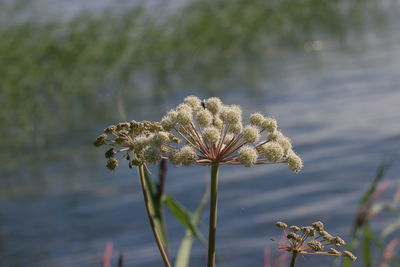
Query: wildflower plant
[206,133]
[311,240]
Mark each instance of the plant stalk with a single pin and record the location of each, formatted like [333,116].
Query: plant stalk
[293,260]
[213,214]
[151,213]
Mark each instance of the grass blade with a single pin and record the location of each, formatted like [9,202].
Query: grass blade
[183,255]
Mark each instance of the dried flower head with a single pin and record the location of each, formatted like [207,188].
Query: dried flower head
[137,142]
[311,240]
[112,164]
[294,228]
[349,255]
[281,225]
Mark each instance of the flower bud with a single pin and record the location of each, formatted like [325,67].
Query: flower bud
[151,154]
[257,119]
[100,140]
[211,135]
[235,128]
[187,156]
[318,225]
[247,156]
[112,164]
[139,143]
[269,124]
[315,245]
[334,252]
[272,151]
[233,116]
[281,225]
[204,118]
[349,255]
[213,104]
[110,129]
[175,157]
[294,162]
[192,101]
[285,143]
[294,228]
[294,236]
[160,138]
[123,126]
[251,134]
[169,121]
[338,241]
[310,231]
[110,153]
[326,235]
[218,123]
[273,136]
[184,116]
[186,107]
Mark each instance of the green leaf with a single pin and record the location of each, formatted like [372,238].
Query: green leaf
[366,201]
[378,207]
[183,255]
[379,176]
[184,216]
[366,246]
[390,228]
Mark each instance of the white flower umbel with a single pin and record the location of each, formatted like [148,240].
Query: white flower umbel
[215,132]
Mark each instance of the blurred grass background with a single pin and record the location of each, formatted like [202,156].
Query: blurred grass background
[50,69]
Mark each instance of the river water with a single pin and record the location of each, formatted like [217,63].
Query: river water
[338,103]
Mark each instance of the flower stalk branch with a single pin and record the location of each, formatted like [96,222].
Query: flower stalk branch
[155,223]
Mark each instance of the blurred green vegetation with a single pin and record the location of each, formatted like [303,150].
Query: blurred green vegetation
[57,75]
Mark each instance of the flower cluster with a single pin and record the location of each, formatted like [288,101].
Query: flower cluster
[312,239]
[209,132]
[138,142]
[214,133]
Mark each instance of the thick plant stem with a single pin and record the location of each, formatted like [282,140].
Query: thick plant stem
[151,213]
[293,261]
[213,215]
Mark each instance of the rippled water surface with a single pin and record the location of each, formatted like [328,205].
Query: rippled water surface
[338,103]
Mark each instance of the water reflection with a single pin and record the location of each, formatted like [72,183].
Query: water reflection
[60,83]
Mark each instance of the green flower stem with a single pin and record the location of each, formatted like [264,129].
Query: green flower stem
[293,261]
[213,215]
[155,225]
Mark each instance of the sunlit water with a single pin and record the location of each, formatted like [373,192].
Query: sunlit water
[340,106]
